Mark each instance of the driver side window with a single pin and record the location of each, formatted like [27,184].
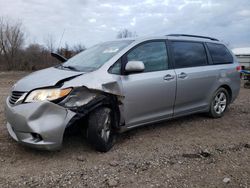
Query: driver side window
[152,54]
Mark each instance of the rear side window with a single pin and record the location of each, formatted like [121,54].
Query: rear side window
[219,53]
[189,54]
[152,54]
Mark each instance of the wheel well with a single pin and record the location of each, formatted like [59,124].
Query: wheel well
[110,101]
[113,103]
[229,90]
[102,100]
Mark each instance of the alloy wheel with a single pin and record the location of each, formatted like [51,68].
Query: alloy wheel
[220,102]
[105,132]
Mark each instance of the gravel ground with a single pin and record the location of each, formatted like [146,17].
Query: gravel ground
[193,151]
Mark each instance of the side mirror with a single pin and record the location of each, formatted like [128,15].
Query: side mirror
[134,66]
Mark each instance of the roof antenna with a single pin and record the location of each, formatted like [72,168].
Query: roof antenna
[61,38]
[57,55]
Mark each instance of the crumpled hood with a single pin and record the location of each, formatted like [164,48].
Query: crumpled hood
[44,78]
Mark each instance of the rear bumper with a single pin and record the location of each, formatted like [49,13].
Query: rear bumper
[39,125]
[236,90]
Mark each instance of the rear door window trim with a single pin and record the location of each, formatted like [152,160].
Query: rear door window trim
[212,61]
[208,62]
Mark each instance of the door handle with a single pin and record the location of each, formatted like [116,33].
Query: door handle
[182,75]
[168,77]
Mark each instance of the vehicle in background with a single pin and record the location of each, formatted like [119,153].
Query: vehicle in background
[243,56]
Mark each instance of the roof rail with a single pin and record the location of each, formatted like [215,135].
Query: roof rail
[198,36]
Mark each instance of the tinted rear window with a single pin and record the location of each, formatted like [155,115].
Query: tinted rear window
[189,54]
[219,53]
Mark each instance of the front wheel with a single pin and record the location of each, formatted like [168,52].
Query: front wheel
[219,103]
[100,133]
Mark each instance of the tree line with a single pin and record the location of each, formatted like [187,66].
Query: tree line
[14,55]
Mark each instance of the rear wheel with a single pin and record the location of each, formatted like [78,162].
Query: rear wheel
[247,85]
[219,103]
[100,133]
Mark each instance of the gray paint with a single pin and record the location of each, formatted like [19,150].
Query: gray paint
[145,97]
[139,105]
[134,66]
[43,78]
[45,118]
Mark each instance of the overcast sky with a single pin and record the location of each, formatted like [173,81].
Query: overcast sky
[93,21]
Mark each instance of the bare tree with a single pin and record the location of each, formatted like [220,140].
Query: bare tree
[65,51]
[68,51]
[35,57]
[11,41]
[31,57]
[14,56]
[125,33]
[78,48]
[50,42]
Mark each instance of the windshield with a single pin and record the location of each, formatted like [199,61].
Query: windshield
[94,57]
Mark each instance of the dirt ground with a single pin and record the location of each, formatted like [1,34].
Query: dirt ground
[193,151]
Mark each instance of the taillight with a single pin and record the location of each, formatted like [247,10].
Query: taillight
[238,68]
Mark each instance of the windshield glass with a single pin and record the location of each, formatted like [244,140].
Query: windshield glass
[94,57]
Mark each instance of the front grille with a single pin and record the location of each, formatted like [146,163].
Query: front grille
[15,95]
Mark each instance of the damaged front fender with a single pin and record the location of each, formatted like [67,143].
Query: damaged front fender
[99,81]
[82,101]
[93,91]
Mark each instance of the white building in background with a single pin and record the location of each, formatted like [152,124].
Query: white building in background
[243,55]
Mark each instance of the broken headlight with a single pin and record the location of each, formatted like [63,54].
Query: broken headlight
[78,97]
[47,94]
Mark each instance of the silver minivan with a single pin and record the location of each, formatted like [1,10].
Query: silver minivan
[116,86]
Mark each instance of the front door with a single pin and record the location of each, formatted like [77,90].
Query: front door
[149,95]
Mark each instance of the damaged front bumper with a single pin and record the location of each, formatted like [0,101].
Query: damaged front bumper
[39,125]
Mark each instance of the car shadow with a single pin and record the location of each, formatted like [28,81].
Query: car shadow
[75,140]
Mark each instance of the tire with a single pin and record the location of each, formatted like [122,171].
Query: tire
[247,85]
[219,103]
[100,132]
